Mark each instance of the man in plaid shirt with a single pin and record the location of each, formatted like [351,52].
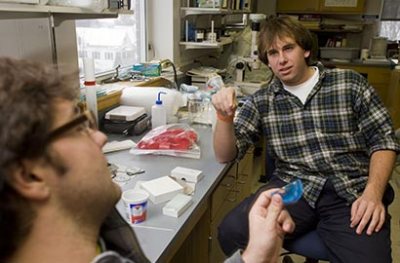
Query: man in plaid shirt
[328,128]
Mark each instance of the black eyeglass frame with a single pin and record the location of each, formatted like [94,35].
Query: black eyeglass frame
[83,117]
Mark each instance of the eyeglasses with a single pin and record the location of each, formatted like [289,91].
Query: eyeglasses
[86,119]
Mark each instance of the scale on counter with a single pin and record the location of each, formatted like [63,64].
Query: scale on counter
[126,120]
[125,113]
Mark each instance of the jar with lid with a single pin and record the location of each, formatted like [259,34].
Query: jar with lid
[199,34]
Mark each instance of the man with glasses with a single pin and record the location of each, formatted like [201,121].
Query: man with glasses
[57,196]
[55,188]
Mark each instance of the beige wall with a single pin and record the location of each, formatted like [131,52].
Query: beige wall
[28,38]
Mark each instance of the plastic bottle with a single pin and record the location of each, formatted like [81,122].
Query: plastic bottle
[90,86]
[215,82]
[158,113]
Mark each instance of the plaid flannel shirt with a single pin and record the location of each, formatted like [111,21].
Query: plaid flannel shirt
[331,135]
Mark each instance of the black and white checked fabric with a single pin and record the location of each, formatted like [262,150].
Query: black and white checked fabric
[332,134]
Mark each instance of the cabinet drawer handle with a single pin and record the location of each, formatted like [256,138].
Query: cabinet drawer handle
[231,199]
[228,185]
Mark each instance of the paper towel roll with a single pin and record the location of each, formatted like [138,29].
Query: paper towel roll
[146,97]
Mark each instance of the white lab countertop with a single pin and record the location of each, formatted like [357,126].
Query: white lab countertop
[160,236]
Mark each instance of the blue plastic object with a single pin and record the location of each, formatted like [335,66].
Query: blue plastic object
[292,192]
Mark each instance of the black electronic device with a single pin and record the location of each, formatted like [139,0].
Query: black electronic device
[135,127]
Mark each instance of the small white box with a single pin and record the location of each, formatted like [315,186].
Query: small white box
[177,205]
[162,189]
[187,174]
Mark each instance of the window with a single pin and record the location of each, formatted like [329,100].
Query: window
[390,29]
[96,54]
[390,25]
[109,56]
[113,42]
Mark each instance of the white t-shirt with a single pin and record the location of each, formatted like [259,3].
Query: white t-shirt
[302,90]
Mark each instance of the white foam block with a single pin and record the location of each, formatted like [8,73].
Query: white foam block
[177,205]
[187,174]
[118,146]
[126,113]
[162,189]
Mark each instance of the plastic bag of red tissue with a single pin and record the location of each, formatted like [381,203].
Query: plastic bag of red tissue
[173,139]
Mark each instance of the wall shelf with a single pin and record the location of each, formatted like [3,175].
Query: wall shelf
[8,10]
[187,11]
[205,44]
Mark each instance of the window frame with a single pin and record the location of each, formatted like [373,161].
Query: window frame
[143,42]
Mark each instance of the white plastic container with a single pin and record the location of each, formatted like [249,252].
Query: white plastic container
[158,113]
[91,99]
[90,86]
[135,203]
[145,96]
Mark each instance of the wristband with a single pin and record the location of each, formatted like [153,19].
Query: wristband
[225,118]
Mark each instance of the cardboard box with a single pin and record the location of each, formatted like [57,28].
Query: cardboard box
[162,189]
[187,174]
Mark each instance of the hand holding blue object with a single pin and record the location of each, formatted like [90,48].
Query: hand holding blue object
[292,192]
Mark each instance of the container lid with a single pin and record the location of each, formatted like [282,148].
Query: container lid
[159,101]
[125,113]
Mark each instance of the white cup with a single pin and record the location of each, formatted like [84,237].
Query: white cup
[135,203]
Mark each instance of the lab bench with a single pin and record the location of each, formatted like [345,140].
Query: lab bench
[192,236]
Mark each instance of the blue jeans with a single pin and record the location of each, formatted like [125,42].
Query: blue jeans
[330,218]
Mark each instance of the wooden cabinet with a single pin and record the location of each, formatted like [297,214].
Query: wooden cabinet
[244,175]
[223,200]
[394,97]
[228,195]
[331,6]
[320,6]
[202,243]
[290,6]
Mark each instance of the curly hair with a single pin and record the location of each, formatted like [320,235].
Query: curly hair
[27,93]
[284,26]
